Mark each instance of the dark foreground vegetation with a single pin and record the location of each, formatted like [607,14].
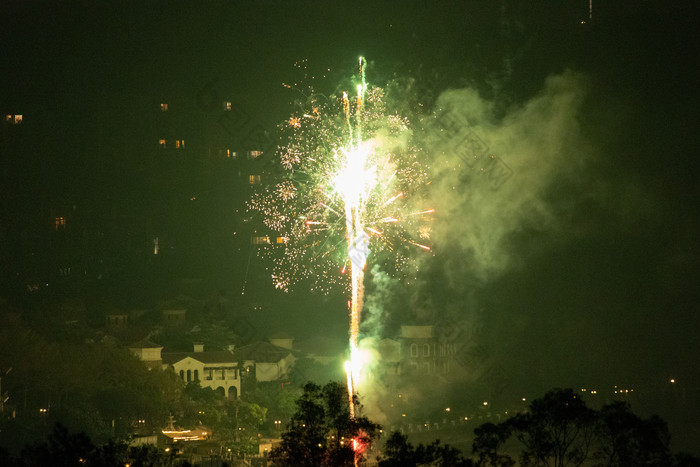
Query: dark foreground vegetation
[558,429]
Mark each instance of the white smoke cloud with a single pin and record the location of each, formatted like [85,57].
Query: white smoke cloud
[491,177]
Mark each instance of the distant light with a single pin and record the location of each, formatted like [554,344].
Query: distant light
[524,399]
[447,409]
[486,403]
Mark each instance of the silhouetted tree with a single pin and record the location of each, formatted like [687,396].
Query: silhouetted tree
[321,432]
[398,452]
[61,449]
[627,440]
[559,429]
[489,439]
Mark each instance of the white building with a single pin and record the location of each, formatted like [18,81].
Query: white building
[216,369]
[269,362]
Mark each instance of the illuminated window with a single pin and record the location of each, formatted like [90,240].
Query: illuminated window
[254,154]
[14,119]
[228,154]
[265,240]
[280,240]
[179,144]
[254,179]
[161,142]
[163,107]
[227,106]
[60,223]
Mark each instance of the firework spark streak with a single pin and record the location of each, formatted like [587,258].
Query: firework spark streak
[346,192]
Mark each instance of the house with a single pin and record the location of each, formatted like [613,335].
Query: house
[268,361]
[148,352]
[216,369]
[116,319]
[422,352]
[174,316]
[389,351]
[281,339]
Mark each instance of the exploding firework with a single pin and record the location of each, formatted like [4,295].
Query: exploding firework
[350,178]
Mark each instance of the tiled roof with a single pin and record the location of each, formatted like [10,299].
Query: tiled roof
[281,335]
[262,352]
[212,356]
[145,344]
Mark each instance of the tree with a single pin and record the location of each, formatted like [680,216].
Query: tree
[322,433]
[627,440]
[559,429]
[398,452]
[489,439]
[63,448]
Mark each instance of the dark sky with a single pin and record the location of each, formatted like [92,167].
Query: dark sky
[603,287]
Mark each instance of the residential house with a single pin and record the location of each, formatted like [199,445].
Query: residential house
[148,352]
[422,352]
[269,362]
[216,369]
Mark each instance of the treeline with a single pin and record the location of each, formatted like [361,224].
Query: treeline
[96,388]
[558,429]
[65,449]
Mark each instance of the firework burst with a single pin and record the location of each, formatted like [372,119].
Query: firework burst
[350,178]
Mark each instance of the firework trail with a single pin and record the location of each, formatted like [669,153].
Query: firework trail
[349,172]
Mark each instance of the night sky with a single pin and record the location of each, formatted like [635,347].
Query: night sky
[581,269]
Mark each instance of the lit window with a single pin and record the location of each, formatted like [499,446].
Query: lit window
[163,107]
[227,105]
[281,240]
[60,223]
[227,153]
[162,143]
[14,119]
[179,144]
[265,240]
[254,179]
[254,154]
